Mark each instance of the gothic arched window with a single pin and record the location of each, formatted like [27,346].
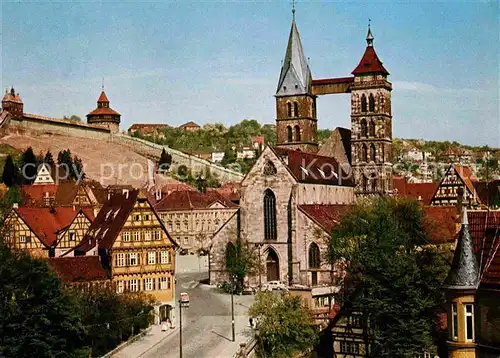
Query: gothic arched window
[373,152]
[371,128]
[363,103]
[289,133]
[269,168]
[270,232]
[364,153]
[371,103]
[364,129]
[295,109]
[297,133]
[289,109]
[314,256]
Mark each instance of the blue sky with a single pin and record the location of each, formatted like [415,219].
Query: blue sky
[219,61]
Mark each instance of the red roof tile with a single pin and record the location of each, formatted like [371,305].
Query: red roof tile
[326,216]
[370,63]
[103,98]
[229,190]
[420,191]
[189,124]
[78,268]
[103,110]
[312,168]
[189,200]
[34,195]
[46,223]
[484,227]
[488,192]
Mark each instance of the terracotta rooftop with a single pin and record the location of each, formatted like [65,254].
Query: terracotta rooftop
[370,63]
[488,192]
[103,98]
[34,195]
[191,200]
[312,168]
[189,124]
[46,223]
[326,216]
[230,190]
[11,96]
[441,223]
[420,191]
[484,227]
[78,268]
[103,110]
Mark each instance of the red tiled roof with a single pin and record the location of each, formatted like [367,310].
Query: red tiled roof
[78,268]
[34,195]
[370,63]
[103,98]
[326,216]
[419,191]
[488,192]
[259,139]
[189,200]
[229,190]
[484,227]
[308,168]
[104,110]
[189,124]
[327,81]
[46,223]
[441,223]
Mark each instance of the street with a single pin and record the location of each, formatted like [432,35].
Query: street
[206,324]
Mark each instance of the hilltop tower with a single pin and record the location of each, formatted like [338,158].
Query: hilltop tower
[371,124]
[296,122]
[12,103]
[103,115]
[461,288]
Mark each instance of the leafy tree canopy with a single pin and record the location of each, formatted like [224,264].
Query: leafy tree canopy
[285,326]
[397,280]
[240,260]
[11,175]
[28,166]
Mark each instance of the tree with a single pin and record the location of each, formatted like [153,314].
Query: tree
[39,317]
[11,175]
[11,197]
[49,159]
[73,118]
[285,326]
[240,261]
[29,164]
[229,157]
[396,279]
[165,161]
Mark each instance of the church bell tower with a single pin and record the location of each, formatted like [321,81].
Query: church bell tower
[371,124]
[296,122]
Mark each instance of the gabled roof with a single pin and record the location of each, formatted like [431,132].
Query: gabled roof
[466,174]
[295,73]
[78,268]
[103,98]
[34,195]
[312,168]
[46,223]
[326,216]
[229,190]
[191,200]
[464,271]
[420,191]
[338,145]
[189,124]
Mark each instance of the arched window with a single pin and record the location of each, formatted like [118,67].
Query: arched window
[269,168]
[314,257]
[295,109]
[373,152]
[371,103]
[289,109]
[297,133]
[272,266]
[363,103]
[364,153]
[364,184]
[230,255]
[364,129]
[371,128]
[289,134]
[269,215]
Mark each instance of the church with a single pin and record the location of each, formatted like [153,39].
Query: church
[296,192]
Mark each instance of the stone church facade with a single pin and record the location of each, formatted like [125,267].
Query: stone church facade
[295,193]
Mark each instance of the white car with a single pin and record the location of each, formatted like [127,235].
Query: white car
[274,285]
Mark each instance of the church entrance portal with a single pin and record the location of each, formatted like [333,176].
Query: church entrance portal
[273,266]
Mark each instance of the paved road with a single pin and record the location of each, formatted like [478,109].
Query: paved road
[206,324]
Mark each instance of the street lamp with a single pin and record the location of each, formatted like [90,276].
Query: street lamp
[232,306]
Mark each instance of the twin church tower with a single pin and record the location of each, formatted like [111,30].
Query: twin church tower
[370,144]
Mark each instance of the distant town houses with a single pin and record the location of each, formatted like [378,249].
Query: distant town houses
[417,155]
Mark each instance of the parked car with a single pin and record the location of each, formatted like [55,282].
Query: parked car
[274,285]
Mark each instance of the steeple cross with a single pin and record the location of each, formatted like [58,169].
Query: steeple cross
[369,22]
[293,9]
[103,83]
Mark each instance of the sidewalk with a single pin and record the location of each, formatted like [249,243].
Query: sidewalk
[228,349]
[144,344]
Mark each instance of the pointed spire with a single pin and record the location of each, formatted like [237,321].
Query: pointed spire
[295,77]
[464,272]
[369,36]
